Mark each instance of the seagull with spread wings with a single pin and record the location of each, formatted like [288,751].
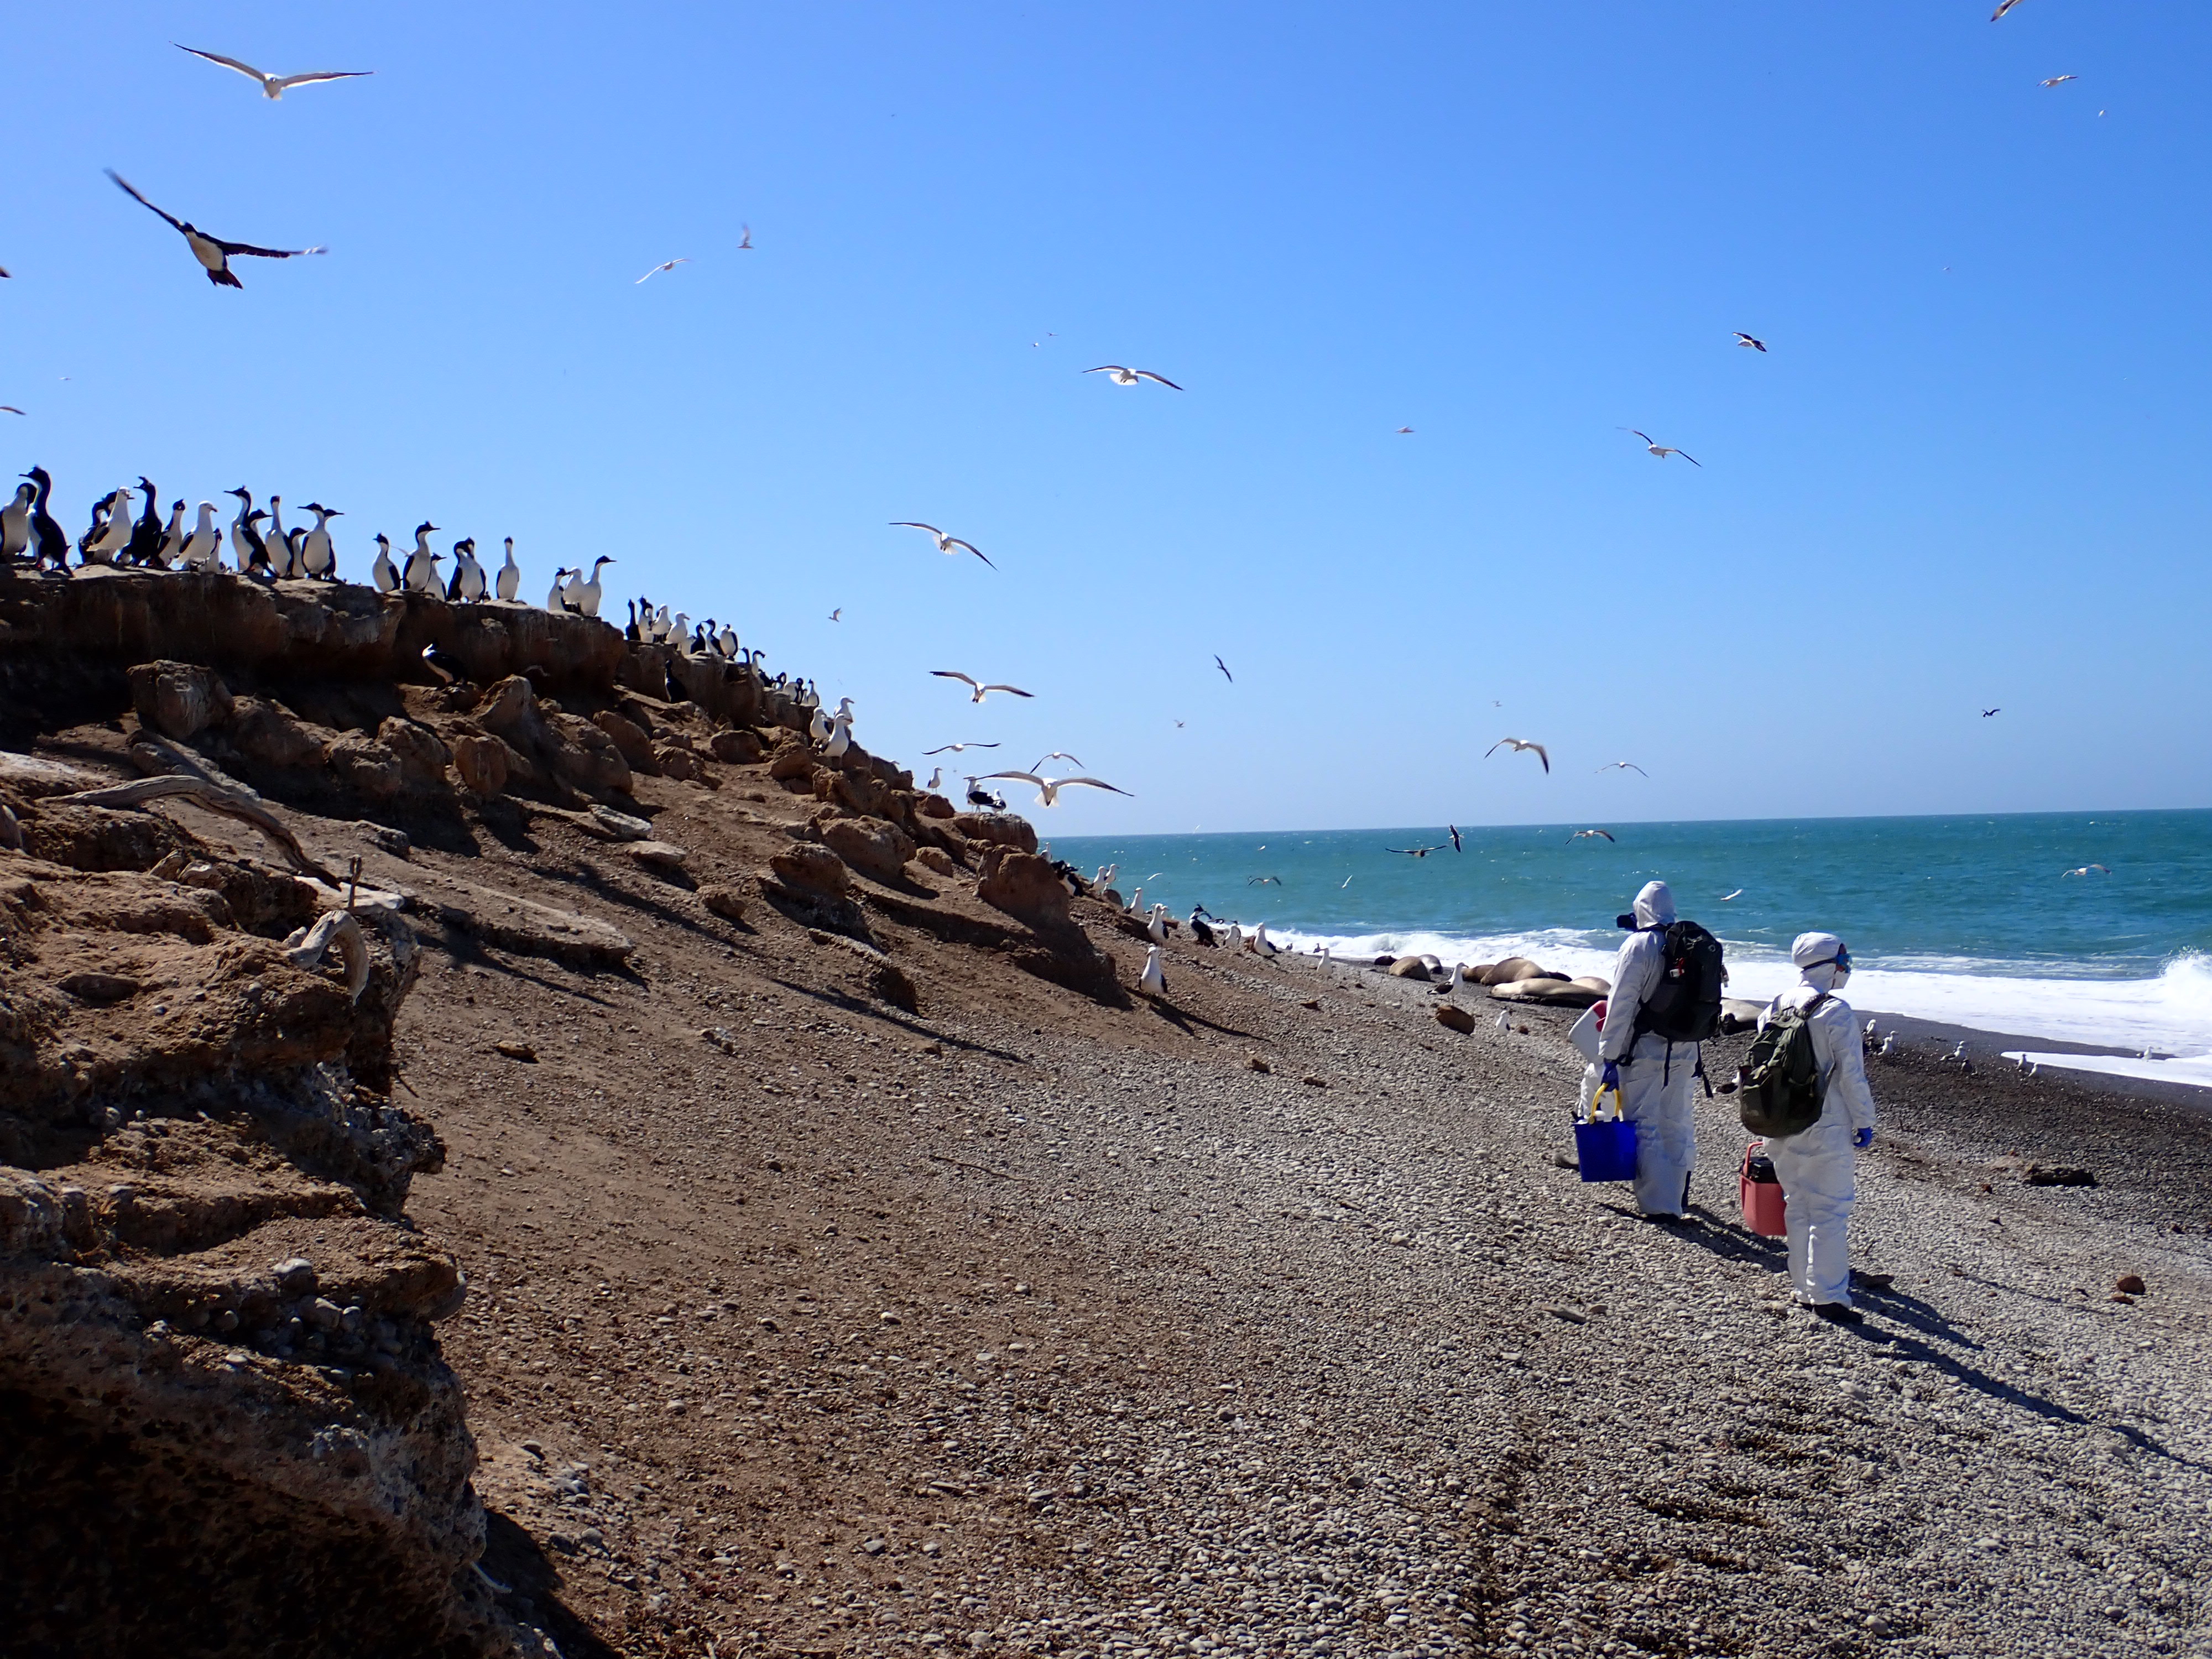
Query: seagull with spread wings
[1584,834]
[1224,667]
[1615,766]
[1122,376]
[1748,342]
[950,545]
[665,264]
[273,86]
[975,685]
[1057,754]
[1516,744]
[2057,80]
[1453,830]
[1416,852]
[1048,788]
[1662,451]
[2003,6]
[213,252]
[2102,869]
[956,748]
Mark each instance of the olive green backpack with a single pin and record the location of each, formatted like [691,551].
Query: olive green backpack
[1778,1088]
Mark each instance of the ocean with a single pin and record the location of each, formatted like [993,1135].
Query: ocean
[1971,921]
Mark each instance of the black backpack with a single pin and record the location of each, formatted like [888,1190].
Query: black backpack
[1685,1005]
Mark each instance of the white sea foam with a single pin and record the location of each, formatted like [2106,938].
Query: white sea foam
[2171,1013]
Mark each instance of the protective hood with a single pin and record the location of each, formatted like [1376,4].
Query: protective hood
[1815,957]
[1655,905]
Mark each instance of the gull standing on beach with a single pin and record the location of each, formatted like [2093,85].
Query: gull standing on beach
[949,545]
[1048,788]
[212,252]
[1122,376]
[1516,744]
[274,87]
[1151,983]
[975,685]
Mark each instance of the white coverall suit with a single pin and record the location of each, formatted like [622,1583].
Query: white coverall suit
[1818,1166]
[1655,1075]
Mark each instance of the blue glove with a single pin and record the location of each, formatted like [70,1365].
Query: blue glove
[1612,1078]
[1864,1137]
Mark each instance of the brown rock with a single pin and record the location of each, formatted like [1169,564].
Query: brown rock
[664,858]
[179,699]
[100,987]
[481,763]
[738,748]
[935,806]
[793,763]
[521,1051]
[584,756]
[936,859]
[1409,967]
[875,848]
[628,737]
[1254,1063]
[266,732]
[2058,1174]
[423,757]
[365,765]
[675,760]
[725,901]
[1456,1018]
[1024,885]
[804,863]
[998,829]
[508,706]
[2131,1283]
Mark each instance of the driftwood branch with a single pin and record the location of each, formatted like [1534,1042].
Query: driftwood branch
[307,948]
[215,799]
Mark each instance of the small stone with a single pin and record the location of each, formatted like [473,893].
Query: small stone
[1314,1082]
[2132,1284]
[931,1546]
[888,1318]
[323,1314]
[1256,1064]
[521,1051]
[766,1324]
[871,1547]
[725,901]
[534,1449]
[297,1274]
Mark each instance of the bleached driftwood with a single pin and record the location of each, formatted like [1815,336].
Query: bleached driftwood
[308,946]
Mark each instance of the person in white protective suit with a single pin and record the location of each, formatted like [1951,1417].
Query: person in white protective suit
[1655,1075]
[1818,1166]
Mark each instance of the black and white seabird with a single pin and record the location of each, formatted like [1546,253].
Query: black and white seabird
[212,252]
[318,557]
[949,545]
[111,532]
[202,548]
[278,538]
[146,539]
[171,540]
[49,541]
[421,575]
[245,545]
[557,600]
[510,574]
[382,572]
[261,569]
[584,596]
[468,583]
[15,523]
[273,86]
[1122,376]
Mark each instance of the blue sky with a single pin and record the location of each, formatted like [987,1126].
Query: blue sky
[1969,472]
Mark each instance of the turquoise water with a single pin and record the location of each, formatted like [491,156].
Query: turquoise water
[1969,919]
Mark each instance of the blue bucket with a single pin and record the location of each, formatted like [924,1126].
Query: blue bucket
[1606,1151]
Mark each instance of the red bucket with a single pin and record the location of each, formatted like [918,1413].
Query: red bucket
[1764,1205]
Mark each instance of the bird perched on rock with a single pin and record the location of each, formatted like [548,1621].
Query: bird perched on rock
[556,599]
[467,584]
[146,539]
[213,253]
[202,548]
[15,523]
[173,538]
[584,597]
[421,574]
[110,533]
[979,796]
[1517,744]
[1155,927]
[382,571]
[510,574]
[49,541]
[245,545]
[319,554]
[1153,982]
[840,737]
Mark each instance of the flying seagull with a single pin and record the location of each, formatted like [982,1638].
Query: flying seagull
[1584,834]
[945,543]
[1725,897]
[837,614]
[2003,6]
[1662,451]
[1748,342]
[1516,745]
[1453,829]
[1267,881]
[1403,432]
[1224,667]
[2058,80]
[665,264]
[273,86]
[1990,713]
[2102,869]
[1048,788]
[1057,754]
[10,408]
[1614,766]
[1131,376]
[981,691]
[213,253]
[1416,852]
[956,748]
[746,240]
